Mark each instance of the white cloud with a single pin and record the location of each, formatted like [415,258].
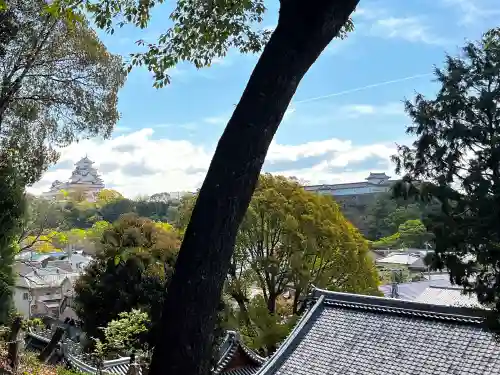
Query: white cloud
[411,29]
[357,110]
[279,152]
[218,120]
[137,164]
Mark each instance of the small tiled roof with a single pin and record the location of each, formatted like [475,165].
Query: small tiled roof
[229,348]
[450,296]
[73,355]
[413,290]
[399,258]
[352,334]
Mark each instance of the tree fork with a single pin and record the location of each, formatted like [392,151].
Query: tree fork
[193,294]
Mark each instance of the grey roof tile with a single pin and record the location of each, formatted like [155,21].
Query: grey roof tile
[228,349]
[246,370]
[411,291]
[344,334]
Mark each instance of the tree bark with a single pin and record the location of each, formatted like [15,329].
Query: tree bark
[189,314]
[271,302]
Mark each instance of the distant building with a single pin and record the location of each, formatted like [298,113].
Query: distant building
[412,260]
[375,183]
[84,179]
[41,291]
[354,197]
[438,290]
[44,286]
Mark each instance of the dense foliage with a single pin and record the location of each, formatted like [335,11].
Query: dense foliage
[133,262]
[456,160]
[11,212]
[201,31]
[410,234]
[289,240]
[382,214]
[74,221]
[58,83]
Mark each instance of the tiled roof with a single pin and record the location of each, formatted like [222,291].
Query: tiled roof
[229,348]
[73,354]
[450,296]
[47,277]
[74,357]
[399,258]
[247,370]
[411,291]
[351,334]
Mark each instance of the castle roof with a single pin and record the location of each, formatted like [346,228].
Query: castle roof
[352,334]
[377,175]
[85,161]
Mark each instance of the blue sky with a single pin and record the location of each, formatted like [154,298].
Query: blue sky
[343,122]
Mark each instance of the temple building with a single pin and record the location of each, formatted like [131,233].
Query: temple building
[84,179]
[375,183]
[352,334]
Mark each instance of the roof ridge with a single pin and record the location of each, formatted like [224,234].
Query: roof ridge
[392,305]
[270,364]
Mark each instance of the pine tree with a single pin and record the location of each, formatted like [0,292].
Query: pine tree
[456,160]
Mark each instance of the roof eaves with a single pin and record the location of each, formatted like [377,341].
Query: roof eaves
[292,339]
[231,341]
[402,307]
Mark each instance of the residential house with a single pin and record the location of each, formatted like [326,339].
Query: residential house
[40,291]
[400,259]
[437,290]
[351,334]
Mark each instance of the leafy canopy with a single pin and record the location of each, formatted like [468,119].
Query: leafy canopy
[456,160]
[410,234]
[290,239]
[59,84]
[123,335]
[200,32]
[133,262]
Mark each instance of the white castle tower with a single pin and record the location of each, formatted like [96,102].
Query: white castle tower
[84,178]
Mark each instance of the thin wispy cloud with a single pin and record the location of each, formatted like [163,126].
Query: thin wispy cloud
[358,110]
[362,88]
[411,29]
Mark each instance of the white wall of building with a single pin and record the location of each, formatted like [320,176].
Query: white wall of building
[353,191]
[22,301]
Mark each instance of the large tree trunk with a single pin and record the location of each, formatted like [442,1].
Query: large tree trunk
[304,29]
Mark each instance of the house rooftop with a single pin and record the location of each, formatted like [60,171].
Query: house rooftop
[352,334]
[403,258]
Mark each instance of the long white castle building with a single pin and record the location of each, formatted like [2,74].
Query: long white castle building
[375,183]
